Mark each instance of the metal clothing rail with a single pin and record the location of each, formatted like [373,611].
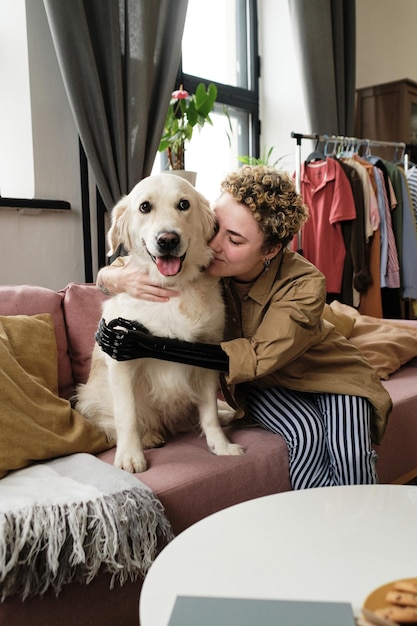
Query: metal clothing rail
[341,139]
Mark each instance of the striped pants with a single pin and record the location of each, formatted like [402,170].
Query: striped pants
[328,436]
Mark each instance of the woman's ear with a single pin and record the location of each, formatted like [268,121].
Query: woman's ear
[272,252]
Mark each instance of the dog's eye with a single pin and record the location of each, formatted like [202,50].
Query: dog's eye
[145,207]
[183,205]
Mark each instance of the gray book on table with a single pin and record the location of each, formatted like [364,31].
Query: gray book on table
[202,611]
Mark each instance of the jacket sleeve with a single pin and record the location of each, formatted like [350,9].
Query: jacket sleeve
[289,323]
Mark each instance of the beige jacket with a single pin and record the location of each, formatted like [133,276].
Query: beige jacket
[276,335]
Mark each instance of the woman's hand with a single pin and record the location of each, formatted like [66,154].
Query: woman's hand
[129,278]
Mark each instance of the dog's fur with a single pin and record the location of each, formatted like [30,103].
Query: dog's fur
[165,224]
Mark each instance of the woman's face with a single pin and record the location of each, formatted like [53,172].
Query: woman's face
[238,244]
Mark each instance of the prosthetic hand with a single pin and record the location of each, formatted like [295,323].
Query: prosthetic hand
[124,340]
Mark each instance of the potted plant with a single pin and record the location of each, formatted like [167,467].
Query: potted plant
[184,114]
[265,159]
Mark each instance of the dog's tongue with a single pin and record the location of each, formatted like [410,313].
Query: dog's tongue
[168,265]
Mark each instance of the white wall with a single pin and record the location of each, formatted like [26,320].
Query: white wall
[281,99]
[46,249]
[39,248]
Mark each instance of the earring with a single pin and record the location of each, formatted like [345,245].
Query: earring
[267,263]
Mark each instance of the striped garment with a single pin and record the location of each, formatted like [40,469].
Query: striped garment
[328,435]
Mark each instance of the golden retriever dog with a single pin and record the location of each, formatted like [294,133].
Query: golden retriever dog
[165,224]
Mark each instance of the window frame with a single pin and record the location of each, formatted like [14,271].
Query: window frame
[244,99]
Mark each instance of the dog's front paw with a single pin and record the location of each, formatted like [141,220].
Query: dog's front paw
[133,462]
[227,449]
[152,440]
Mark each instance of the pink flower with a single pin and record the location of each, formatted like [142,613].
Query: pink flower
[180,94]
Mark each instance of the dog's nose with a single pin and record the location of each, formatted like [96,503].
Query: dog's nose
[168,241]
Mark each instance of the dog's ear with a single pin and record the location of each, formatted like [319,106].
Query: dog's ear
[208,219]
[117,232]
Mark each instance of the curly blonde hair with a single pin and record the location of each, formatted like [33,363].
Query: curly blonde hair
[271,197]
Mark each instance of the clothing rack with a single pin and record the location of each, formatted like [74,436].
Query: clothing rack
[345,146]
[341,140]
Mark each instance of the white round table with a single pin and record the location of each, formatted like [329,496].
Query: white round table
[329,544]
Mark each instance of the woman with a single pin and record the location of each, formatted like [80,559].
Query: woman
[284,365]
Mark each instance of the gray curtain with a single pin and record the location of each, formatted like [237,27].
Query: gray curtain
[119,60]
[325,33]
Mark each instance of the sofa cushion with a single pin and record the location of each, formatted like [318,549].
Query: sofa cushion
[82,312]
[192,483]
[35,423]
[31,300]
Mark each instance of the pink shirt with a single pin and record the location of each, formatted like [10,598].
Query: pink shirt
[328,194]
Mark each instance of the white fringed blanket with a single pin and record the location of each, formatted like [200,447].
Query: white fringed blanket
[64,519]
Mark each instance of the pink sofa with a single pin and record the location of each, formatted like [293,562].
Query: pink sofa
[190,482]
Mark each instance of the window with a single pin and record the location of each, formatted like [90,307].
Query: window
[221,46]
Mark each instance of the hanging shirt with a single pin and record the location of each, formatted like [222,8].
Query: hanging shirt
[328,194]
[409,250]
[356,277]
[369,197]
[390,267]
[397,214]
[411,174]
[374,218]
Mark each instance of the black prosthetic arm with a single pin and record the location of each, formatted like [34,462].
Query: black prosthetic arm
[124,340]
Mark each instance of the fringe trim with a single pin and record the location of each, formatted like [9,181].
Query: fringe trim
[43,547]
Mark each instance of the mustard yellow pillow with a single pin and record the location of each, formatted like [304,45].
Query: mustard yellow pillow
[386,344]
[35,423]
